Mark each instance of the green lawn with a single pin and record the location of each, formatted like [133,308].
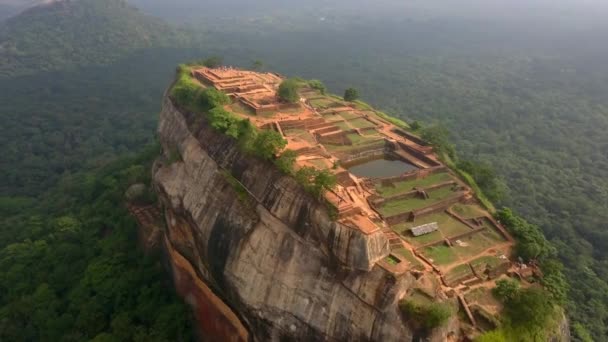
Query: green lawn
[491,233]
[401,187]
[468,211]
[482,296]
[301,134]
[239,108]
[407,254]
[421,240]
[332,117]
[492,236]
[361,123]
[476,244]
[486,260]
[348,115]
[394,207]
[392,260]
[343,125]
[440,255]
[361,140]
[322,102]
[448,225]
[346,148]
[458,272]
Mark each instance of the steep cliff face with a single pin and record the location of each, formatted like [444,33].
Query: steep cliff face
[269,250]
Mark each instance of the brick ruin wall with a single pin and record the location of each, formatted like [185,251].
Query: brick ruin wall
[300,124]
[410,137]
[343,178]
[356,155]
[440,206]
[412,175]
[411,216]
[334,139]
[418,154]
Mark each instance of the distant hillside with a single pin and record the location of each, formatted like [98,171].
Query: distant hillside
[65,34]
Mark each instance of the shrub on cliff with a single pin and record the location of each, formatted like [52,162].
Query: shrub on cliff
[531,243]
[213,62]
[288,90]
[425,316]
[286,161]
[185,90]
[223,121]
[315,181]
[351,94]
[211,98]
[317,85]
[268,143]
[530,315]
[506,289]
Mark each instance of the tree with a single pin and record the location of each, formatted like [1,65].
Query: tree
[257,65]
[438,136]
[213,62]
[223,121]
[529,311]
[268,144]
[317,85]
[485,176]
[415,125]
[286,160]
[288,91]
[315,181]
[426,316]
[211,98]
[351,94]
[531,243]
[506,289]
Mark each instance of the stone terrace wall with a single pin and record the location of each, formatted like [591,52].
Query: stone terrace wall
[418,154]
[416,174]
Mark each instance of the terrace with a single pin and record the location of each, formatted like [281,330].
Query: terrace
[388,178]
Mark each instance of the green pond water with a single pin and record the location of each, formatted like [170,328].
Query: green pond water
[381,168]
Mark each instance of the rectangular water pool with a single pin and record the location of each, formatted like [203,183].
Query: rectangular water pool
[380,168]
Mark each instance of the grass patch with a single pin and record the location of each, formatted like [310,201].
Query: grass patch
[394,207]
[409,256]
[332,117]
[360,140]
[397,122]
[440,255]
[458,272]
[321,102]
[239,108]
[468,211]
[371,143]
[392,260]
[475,244]
[489,260]
[405,186]
[422,239]
[361,123]
[343,125]
[301,134]
[349,115]
[448,225]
